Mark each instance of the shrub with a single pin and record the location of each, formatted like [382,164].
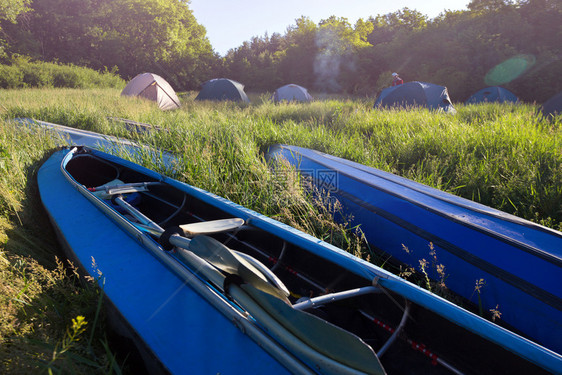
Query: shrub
[34,75]
[10,77]
[25,73]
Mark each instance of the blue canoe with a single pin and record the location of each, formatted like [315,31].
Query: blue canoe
[204,286]
[69,136]
[519,261]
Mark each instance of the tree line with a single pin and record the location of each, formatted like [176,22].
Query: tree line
[494,42]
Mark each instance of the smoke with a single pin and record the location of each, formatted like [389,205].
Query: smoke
[329,60]
[335,55]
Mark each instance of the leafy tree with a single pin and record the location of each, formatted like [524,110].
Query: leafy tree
[488,5]
[161,36]
[296,63]
[458,49]
[387,52]
[255,63]
[542,40]
[156,35]
[387,26]
[335,65]
[9,11]
[60,29]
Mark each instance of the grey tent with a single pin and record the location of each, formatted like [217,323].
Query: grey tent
[222,89]
[291,92]
[416,94]
[553,106]
[492,94]
[153,87]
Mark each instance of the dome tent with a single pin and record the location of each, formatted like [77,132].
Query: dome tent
[222,89]
[416,94]
[153,87]
[492,94]
[291,92]
[553,106]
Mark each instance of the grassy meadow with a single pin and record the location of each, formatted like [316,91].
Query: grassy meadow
[504,156]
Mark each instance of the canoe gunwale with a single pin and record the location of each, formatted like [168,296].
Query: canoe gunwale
[437,194]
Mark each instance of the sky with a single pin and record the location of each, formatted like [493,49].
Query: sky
[229,23]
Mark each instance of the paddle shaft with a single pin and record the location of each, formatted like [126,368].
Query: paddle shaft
[137,214]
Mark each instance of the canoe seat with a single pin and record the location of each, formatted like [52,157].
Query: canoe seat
[211,227]
[117,187]
[101,192]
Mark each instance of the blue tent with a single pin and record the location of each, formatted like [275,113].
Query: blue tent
[553,106]
[416,94]
[222,89]
[492,94]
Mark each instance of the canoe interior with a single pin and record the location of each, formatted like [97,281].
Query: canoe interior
[309,275]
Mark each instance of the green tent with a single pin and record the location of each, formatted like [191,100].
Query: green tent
[222,89]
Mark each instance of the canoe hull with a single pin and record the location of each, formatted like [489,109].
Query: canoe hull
[518,261]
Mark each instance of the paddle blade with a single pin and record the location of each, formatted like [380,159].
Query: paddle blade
[324,337]
[214,226]
[226,260]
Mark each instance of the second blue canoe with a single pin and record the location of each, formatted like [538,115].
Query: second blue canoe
[517,263]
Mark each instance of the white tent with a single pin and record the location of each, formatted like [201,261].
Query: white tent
[292,92]
[153,87]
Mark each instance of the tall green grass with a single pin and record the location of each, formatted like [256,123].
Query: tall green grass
[40,293]
[505,156]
